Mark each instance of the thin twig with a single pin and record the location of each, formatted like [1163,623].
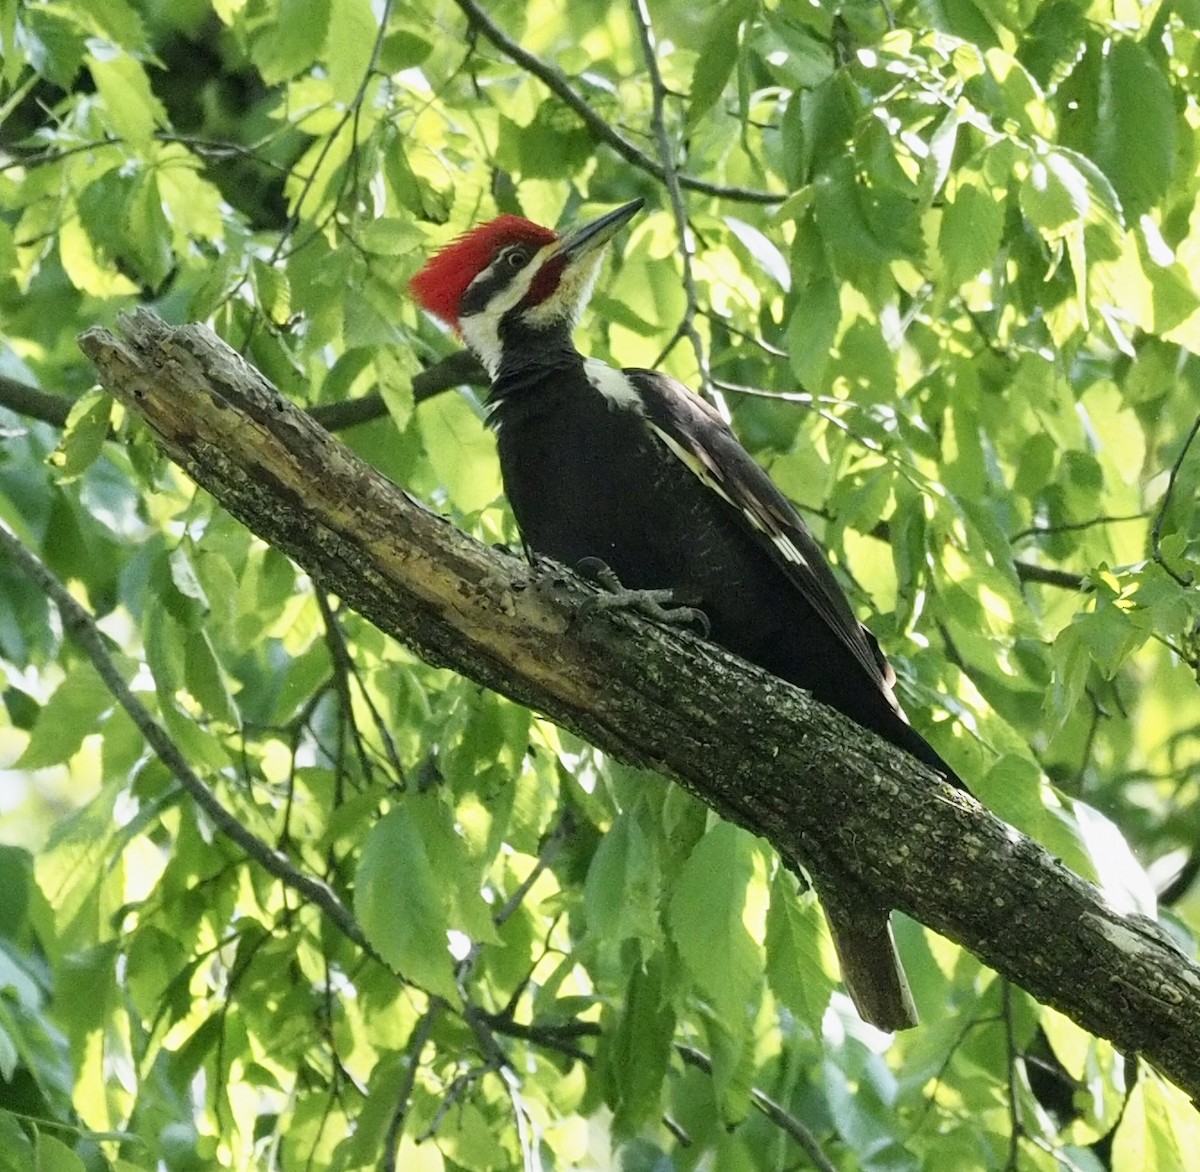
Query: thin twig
[670,175]
[777,1114]
[1156,532]
[1072,526]
[412,1061]
[558,85]
[80,624]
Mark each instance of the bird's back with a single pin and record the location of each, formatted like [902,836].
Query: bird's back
[587,478]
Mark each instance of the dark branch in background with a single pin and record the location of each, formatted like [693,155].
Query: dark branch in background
[82,627]
[1046,576]
[556,82]
[1187,580]
[856,812]
[671,179]
[29,401]
[772,1110]
[455,370]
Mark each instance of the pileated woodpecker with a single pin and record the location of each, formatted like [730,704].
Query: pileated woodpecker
[630,468]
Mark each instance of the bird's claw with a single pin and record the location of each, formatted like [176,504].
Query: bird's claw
[662,606]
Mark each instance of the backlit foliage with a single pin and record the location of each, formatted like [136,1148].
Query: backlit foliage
[944,262]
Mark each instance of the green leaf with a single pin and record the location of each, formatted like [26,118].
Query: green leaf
[812,328]
[291,43]
[149,237]
[766,256]
[471,1139]
[641,1047]
[86,267]
[969,238]
[1054,194]
[349,46]
[191,202]
[71,714]
[400,901]
[414,887]
[402,49]
[707,920]
[801,966]
[718,56]
[134,113]
[118,20]
[83,439]
[206,680]
[461,452]
[1112,634]
[271,290]
[622,889]
[54,44]
[1158,1128]
[184,579]
[1135,142]
[52,1155]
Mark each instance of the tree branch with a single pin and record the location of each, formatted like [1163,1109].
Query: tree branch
[29,401]
[765,755]
[82,627]
[786,1122]
[556,82]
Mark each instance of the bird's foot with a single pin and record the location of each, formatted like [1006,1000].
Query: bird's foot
[662,606]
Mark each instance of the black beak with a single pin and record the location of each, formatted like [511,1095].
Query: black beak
[585,238]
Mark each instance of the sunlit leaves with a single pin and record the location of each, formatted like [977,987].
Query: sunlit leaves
[290,39]
[978,276]
[712,918]
[414,888]
[1153,1131]
[1133,138]
[132,108]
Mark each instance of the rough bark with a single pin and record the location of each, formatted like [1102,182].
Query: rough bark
[826,794]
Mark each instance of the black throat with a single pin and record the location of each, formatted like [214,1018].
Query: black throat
[537,367]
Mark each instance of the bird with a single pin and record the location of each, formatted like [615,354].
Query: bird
[630,474]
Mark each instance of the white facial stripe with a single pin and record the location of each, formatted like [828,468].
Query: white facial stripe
[481,331]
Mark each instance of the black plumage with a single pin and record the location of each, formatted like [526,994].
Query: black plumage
[631,468]
[660,490]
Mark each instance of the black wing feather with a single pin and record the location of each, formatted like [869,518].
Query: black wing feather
[696,434]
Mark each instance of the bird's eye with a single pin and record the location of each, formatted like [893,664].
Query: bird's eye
[516,258]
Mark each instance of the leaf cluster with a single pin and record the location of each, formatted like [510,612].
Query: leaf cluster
[942,274]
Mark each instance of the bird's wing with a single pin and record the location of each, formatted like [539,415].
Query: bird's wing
[694,433]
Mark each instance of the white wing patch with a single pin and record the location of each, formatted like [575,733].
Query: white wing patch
[787,547]
[693,465]
[783,543]
[615,385]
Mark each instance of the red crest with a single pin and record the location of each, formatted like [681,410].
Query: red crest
[439,286]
